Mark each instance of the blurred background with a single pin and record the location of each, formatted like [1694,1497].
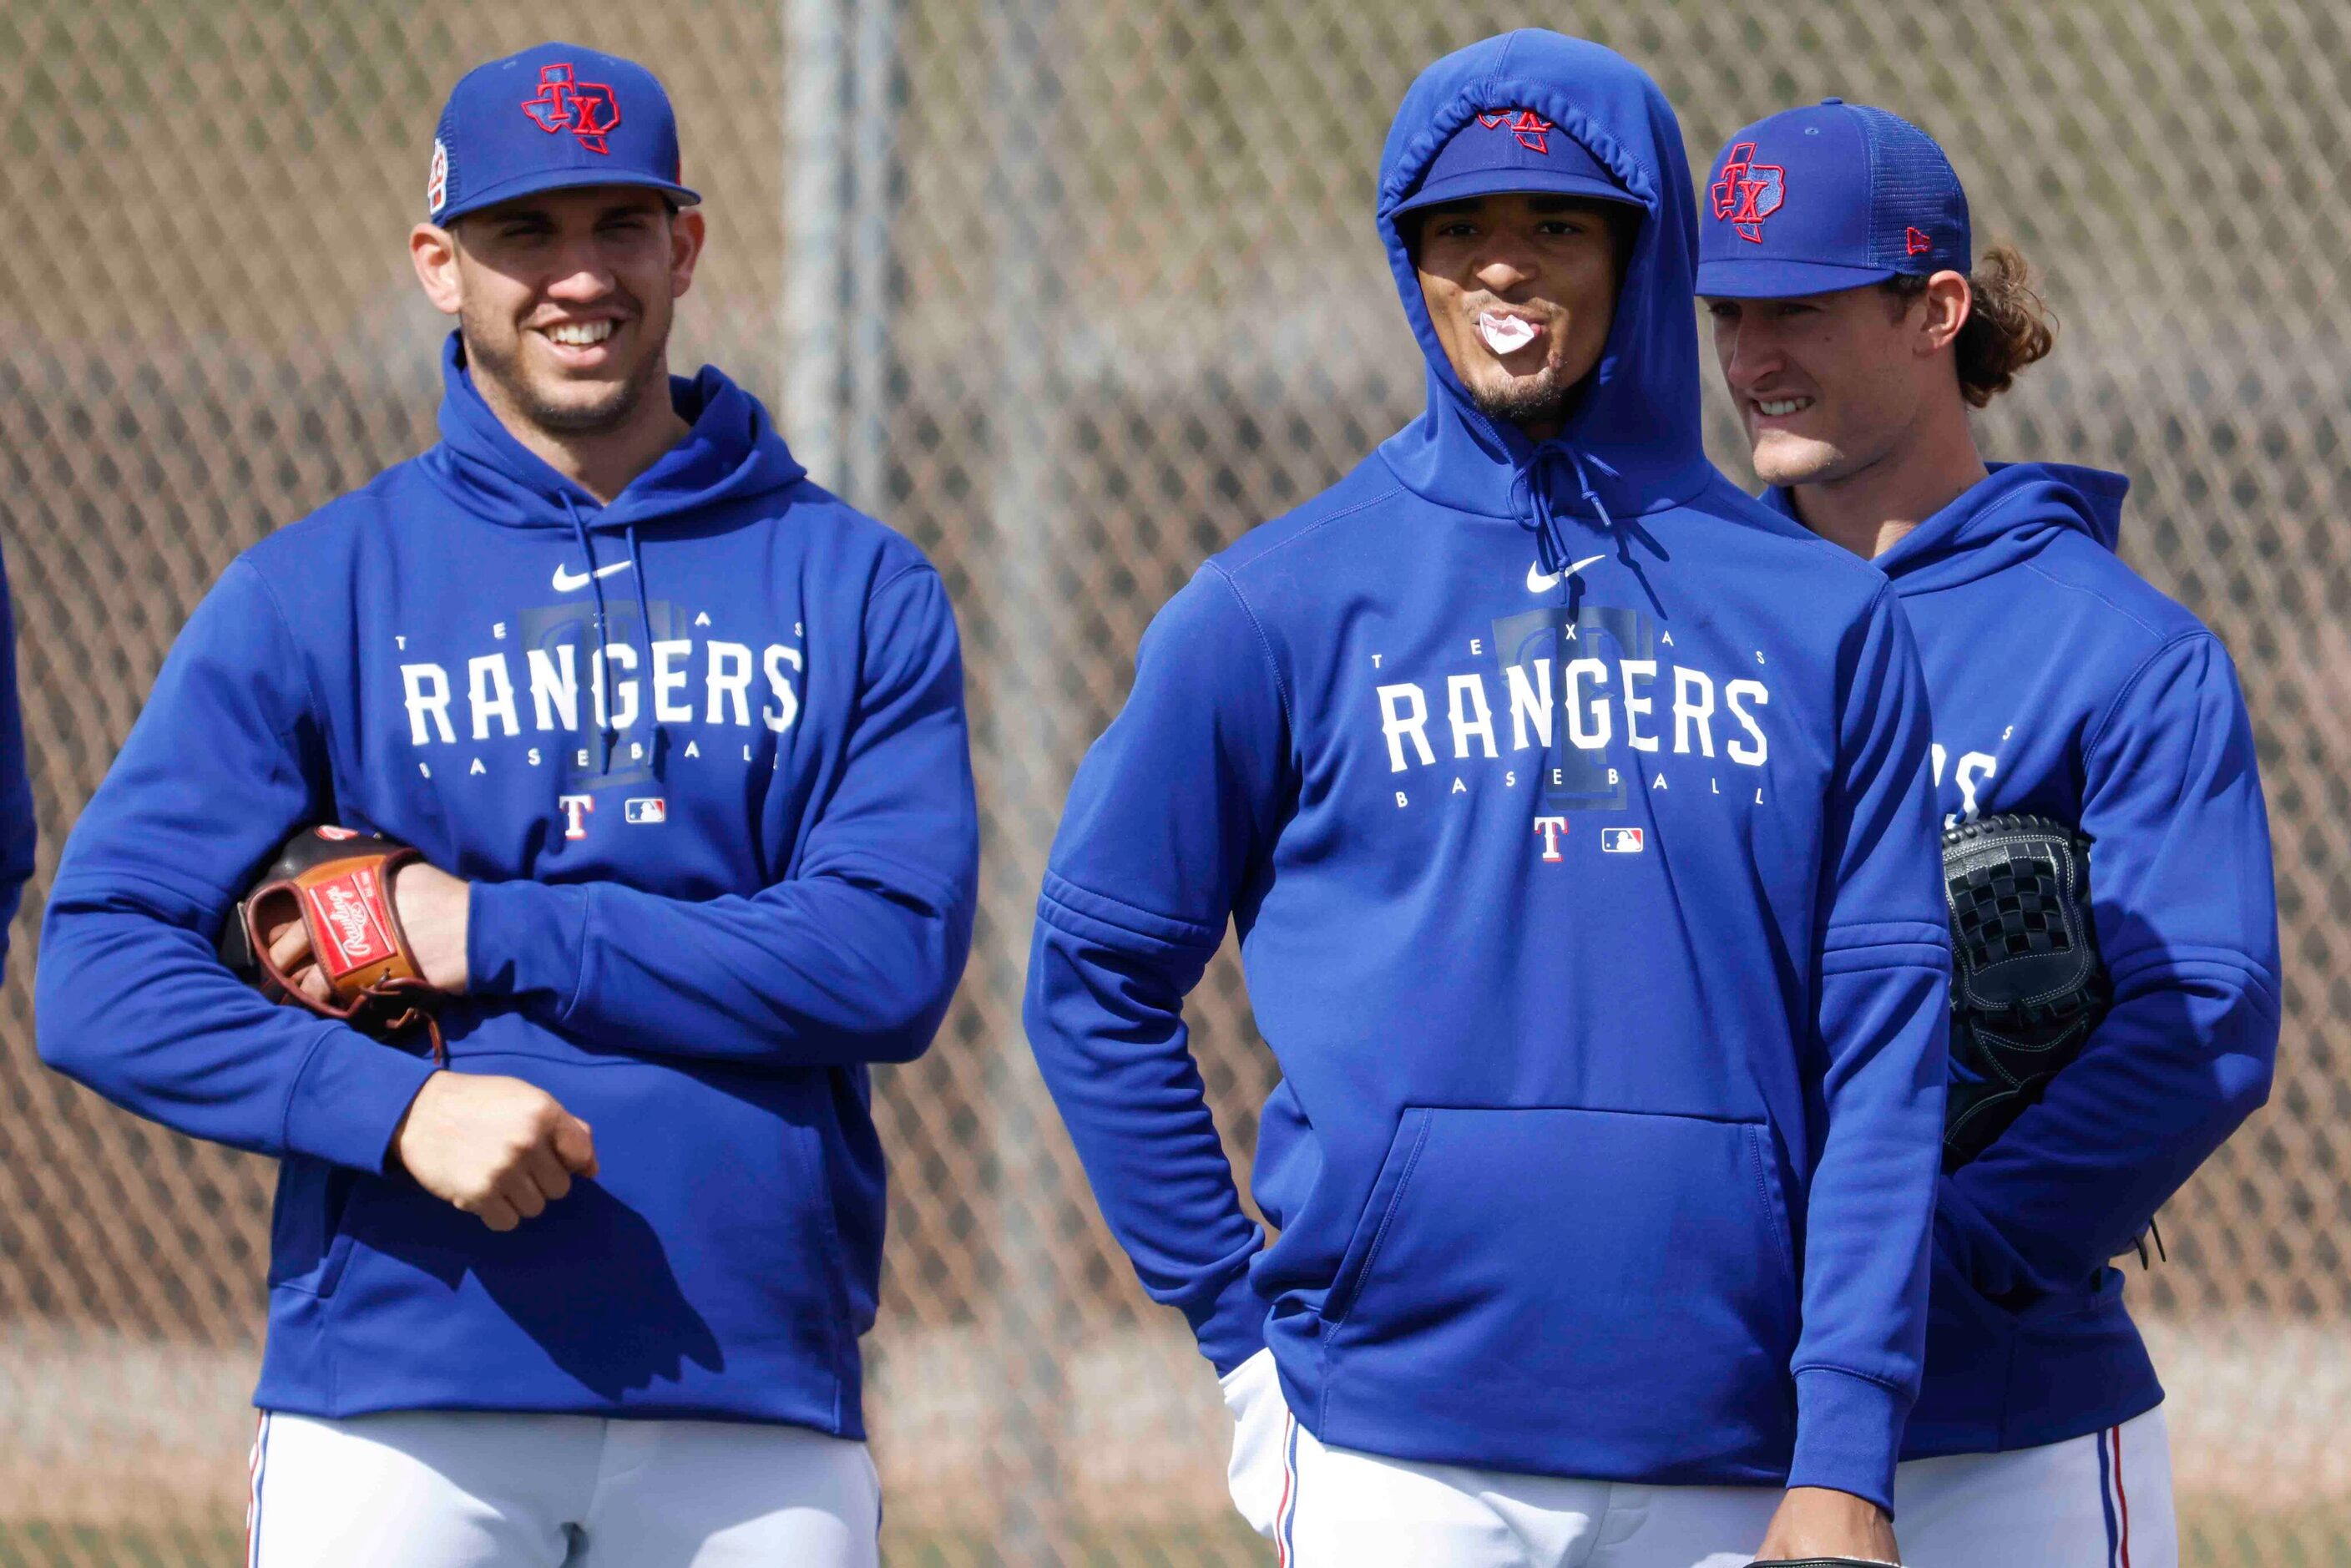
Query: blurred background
[1074,293]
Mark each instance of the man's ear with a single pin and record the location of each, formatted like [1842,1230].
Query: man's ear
[433,250]
[686,233]
[1950,300]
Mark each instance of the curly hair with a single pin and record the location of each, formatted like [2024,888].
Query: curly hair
[2009,326]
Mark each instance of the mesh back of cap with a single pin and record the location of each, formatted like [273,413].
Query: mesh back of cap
[1912,185]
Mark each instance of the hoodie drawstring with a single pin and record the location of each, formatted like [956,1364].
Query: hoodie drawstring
[645,620]
[1541,517]
[606,736]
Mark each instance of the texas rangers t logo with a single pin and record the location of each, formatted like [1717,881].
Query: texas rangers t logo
[586,108]
[1749,191]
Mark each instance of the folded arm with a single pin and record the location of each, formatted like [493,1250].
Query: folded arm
[853,957]
[132,999]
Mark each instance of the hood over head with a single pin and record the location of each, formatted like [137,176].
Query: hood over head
[1633,444]
[2009,517]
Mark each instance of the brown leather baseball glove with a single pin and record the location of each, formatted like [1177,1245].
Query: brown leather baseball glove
[337,883]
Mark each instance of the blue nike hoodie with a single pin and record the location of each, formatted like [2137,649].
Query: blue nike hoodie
[1573,811]
[2062,684]
[702,754]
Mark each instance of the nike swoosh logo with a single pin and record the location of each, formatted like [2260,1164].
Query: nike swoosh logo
[1537,582]
[565,582]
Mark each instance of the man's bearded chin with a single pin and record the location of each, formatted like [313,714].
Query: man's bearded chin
[1525,400]
[606,412]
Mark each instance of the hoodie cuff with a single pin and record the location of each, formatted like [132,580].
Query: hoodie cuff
[1231,1327]
[1848,1434]
[349,1098]
[525,936]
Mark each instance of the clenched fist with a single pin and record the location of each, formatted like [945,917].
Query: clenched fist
[498,1149]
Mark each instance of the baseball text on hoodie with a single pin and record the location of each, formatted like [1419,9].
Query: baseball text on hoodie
[1573,811]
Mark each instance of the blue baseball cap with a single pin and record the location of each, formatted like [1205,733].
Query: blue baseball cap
[551,119]
[1836,196]
[1510,151]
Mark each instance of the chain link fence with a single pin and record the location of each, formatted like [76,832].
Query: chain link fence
[1074,293]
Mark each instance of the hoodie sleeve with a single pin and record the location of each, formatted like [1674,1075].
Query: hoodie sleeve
[130,997]
[1172,807]
[853,958]
[1885,968]
[15,783]
[2181,889]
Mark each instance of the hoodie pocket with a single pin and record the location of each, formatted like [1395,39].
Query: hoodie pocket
[309,1237]
[1628,1275]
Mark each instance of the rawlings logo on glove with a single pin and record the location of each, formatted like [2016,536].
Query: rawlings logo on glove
[336,885]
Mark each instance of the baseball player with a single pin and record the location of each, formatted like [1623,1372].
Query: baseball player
[1573,811]
[16,826]
[2093,759]
[680,736]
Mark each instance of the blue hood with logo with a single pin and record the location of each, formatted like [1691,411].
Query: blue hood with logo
[702,755]
[1572,811]
[2064,686]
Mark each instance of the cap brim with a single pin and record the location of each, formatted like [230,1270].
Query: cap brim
[1761,279]
[1515,182]
[562,180]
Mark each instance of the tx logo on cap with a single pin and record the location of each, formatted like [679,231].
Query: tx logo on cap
[1526,125]
[1749,191]
[587,109]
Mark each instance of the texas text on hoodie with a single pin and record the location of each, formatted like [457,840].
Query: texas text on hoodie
[1573,811]
[2062,684]
[722,857]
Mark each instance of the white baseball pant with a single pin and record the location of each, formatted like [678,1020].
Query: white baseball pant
[2099,1502]
[1336,1508]
[463,1489]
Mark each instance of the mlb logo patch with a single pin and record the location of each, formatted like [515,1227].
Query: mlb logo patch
[645,808]
[1620,840]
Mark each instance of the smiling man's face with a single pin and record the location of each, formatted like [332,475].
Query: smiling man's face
[1520,290]
[1827,385]
[565,301]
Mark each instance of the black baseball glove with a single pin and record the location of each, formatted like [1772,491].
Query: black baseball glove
[2027,983]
